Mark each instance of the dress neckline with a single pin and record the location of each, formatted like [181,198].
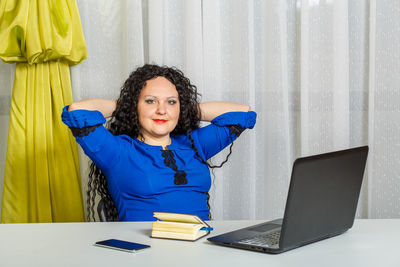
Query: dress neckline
[176,143]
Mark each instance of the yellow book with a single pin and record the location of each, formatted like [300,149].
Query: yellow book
[179,226]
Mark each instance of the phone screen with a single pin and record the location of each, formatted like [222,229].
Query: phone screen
[121,245]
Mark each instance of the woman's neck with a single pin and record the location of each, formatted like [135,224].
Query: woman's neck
[154,141]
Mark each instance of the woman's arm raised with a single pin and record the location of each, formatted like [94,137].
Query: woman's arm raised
[211,110]
[105,106]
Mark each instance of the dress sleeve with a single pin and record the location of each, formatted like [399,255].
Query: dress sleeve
[223,130]
[102,147]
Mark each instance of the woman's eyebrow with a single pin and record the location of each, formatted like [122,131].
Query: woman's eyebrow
[158,97]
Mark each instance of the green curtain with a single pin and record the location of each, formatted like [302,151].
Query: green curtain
[41,180]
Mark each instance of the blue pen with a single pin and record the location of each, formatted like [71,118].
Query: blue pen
[207,228]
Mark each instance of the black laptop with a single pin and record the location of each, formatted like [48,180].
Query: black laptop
[321,203]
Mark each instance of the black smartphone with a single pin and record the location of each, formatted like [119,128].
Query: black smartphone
[121,245]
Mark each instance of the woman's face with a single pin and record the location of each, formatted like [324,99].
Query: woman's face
[158,110]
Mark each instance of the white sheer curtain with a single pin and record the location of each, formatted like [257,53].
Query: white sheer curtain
[6,84]
[321,74]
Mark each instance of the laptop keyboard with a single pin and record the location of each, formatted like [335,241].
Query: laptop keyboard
[264,240]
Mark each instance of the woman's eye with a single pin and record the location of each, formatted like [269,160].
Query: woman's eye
[172,102]
[149,101]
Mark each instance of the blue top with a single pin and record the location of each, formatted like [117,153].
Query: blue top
[140,181]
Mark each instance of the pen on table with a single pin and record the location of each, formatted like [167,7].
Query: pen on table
[207,228]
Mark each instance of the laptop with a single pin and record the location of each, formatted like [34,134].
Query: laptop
[321,203]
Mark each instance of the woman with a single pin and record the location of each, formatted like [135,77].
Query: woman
[153,155]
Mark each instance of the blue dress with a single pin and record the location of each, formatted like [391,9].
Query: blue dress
[141,178]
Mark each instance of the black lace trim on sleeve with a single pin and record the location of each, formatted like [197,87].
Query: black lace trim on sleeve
[180,176]
[235,130]
[85,131]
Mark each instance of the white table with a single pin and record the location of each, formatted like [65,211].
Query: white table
[368,243]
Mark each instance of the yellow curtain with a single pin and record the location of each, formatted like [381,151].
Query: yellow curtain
[41,180]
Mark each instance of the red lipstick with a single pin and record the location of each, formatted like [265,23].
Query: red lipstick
[160,121]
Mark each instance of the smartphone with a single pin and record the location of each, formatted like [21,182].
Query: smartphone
[121,245]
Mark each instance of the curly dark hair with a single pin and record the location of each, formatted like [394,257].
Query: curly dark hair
[124,120]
